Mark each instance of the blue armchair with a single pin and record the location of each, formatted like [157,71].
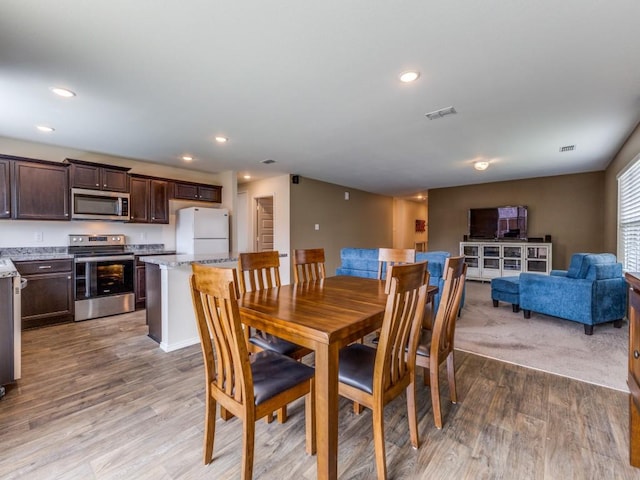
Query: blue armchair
[591,292]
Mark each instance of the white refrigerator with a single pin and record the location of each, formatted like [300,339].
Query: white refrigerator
[202,230]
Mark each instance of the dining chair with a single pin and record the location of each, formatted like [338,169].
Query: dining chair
[394,256]
[248,388]
[436,345]
[387,257]
[372,377]
[258,271]
[308,265]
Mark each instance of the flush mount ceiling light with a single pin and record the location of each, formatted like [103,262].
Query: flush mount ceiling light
[481,165]
[45,129]
[63,92]
[568,148]
[440,113]
[187,158]
[246,177]
[221,139]
[410,76]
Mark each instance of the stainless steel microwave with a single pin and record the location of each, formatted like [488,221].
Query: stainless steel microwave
[99,205]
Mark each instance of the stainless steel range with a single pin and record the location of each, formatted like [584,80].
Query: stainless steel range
[105,275]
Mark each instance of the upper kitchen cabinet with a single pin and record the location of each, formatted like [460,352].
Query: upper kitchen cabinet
[149,202]
[197,191]
[96,176]
[5,188]
[40,190]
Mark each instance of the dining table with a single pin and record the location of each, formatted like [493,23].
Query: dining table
[323,315]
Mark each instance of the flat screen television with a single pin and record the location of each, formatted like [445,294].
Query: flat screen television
[497,223]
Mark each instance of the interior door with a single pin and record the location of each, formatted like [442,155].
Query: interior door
[265,224]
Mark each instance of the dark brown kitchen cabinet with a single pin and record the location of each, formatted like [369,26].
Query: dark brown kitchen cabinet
[96,176]
[40,190]
[197,191]
[149,202]
[5,188]
[47,297]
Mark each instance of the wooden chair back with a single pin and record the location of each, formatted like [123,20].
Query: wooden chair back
[308,265]
[227,368]
[400,327]
[394,256]
[259,270]
[444,324]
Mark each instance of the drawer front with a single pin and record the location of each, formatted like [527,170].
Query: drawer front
[44,266]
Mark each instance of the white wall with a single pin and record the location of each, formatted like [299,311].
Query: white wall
[278,187]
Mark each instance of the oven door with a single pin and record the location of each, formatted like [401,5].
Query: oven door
[104,286]
[104,276]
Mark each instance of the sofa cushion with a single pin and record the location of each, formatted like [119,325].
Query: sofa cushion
[581,262]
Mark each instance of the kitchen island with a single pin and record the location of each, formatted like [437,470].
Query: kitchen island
[170,314]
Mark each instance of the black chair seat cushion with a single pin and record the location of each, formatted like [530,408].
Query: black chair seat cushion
[274,373]
[357,362]
[266,341]
[424,345]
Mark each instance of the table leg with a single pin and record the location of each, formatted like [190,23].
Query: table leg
[326,361]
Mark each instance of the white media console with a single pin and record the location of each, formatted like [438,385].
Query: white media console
[487,260]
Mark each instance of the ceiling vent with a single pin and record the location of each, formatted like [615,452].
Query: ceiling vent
[268,161]
[440,113]
[568,148]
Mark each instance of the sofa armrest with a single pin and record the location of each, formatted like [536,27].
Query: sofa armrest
[558,273]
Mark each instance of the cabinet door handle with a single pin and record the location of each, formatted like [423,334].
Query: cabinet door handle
[636,354]
[43,267]
[97,184]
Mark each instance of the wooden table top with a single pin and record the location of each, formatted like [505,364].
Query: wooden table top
[336,309]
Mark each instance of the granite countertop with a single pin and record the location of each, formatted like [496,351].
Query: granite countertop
[187,259]
[18,254]
[7,269]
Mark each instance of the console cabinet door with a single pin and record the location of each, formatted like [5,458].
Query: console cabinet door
[40,191]
[5,189]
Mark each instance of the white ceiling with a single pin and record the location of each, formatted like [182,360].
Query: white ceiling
[314,85]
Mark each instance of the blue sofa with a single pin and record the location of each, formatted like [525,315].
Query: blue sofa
[363,262]
[591,292]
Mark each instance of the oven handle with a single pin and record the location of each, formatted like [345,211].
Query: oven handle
[104,259]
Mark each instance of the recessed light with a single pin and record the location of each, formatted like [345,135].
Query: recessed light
[411,76]
[481,165]
[246,177]
[187,158]
[63,92]
[221,139]
[45,129]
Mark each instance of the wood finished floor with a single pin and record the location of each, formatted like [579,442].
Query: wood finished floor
[100,400]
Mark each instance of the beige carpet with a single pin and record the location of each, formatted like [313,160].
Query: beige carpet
[542,342]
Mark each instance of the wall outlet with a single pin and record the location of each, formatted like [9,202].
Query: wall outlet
[317,226]
[38,236]
[346,195]
[143,236]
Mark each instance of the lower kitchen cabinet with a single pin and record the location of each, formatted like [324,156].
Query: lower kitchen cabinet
[140,285]
[47,298]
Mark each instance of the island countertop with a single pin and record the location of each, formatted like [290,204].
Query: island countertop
[187,259]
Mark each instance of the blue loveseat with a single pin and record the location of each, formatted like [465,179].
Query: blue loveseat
[363,262]
[591,292]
